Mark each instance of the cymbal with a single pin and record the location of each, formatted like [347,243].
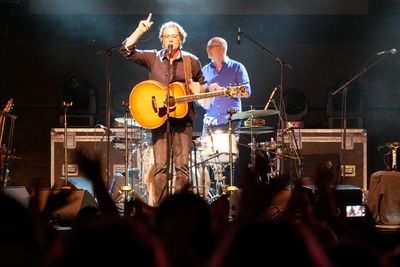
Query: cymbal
[253,113]
[120,122]
[255,130]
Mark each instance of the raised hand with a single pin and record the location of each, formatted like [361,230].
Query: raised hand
[145,25]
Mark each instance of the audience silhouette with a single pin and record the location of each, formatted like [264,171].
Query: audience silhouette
[275,223]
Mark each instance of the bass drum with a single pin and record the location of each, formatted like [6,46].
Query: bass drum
[214,147]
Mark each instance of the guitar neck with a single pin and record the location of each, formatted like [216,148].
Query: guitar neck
[190,98]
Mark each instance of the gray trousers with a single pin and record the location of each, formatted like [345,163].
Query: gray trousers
[181,141]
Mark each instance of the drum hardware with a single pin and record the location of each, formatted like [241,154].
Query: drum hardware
[127,189]
[231,187]
[66,107]
[200,167]
[294,150]
[193,163]
[254,122]
[252,113]
[255,130]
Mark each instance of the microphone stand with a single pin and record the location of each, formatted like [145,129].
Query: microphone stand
[282,110]
[168,128]
[344,88]
[108,52]
[66,106]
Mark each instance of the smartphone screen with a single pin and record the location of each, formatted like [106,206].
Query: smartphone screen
[355,211]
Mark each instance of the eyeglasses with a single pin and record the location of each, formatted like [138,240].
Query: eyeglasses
[169,36]
[211,46]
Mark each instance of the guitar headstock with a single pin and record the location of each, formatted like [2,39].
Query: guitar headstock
[8,106]
[235,91]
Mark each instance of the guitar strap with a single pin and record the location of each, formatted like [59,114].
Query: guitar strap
[187,68]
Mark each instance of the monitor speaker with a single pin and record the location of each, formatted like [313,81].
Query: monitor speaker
[19,193]
[73,201]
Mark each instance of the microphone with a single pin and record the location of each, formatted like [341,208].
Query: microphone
[238,36]
[385,52]
[169,50]
[271,97]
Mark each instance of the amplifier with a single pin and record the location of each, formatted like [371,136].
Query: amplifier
[93,142]
[325,145]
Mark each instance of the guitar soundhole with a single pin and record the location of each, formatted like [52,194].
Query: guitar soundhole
[172,103]
[163,111]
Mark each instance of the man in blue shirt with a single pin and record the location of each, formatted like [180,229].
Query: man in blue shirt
[221,71]
[225,72]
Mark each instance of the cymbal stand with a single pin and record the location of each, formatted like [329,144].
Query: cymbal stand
[294,147]
[231,187]
[193,167]
[253,144]
[7,151]
[127,188]
[282,65]
[66,107]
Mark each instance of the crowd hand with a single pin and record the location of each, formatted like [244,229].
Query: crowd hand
[91,167]
[145,25]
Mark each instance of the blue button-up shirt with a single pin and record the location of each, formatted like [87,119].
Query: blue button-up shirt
[232,73]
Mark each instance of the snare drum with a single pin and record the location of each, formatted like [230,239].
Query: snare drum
[214,147]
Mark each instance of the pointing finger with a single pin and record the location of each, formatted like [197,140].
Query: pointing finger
[149,17]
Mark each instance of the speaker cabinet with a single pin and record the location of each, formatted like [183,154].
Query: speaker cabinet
[73,200]
[92,142]
[19,193]
[313,143]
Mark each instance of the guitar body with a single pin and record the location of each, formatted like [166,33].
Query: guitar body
[148,103]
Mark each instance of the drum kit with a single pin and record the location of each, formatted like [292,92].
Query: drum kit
[135,143]
[213,153]
[219,149]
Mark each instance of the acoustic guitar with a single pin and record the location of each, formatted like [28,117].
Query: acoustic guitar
[148,101]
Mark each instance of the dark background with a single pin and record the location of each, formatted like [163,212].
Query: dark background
[56,50]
